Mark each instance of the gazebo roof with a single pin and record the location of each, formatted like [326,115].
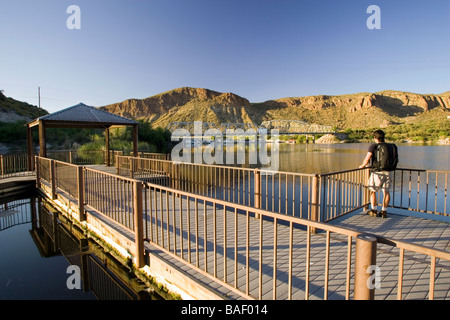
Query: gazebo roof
[84,116]
[79,116]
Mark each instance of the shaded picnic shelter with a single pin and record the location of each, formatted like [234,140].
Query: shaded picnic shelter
[80,116]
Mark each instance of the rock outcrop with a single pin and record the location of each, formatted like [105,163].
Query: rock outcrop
[360,110]
[182,104]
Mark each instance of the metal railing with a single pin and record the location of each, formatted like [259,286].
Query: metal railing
[254,252]
[84,157]
[15,165]
[265,255]
[426,260]
[321,197]
[424,191]
[112,195]
[282,192]
[66,177]
[342,192]
[153,155]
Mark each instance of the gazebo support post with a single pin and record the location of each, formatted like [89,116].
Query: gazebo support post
[30,148]
[135,140]
[107,157]
[42,142]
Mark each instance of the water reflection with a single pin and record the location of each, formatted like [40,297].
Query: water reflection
[309,158]
[37,245]
[326,158]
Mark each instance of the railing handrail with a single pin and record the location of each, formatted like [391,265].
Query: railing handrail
[63,162]
[422,249]
[262,170]
[111,175]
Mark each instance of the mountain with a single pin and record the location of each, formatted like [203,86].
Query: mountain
[360,110]
[184,105]
[349,111]
[12,110]
[355,111]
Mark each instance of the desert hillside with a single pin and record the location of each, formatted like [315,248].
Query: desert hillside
[184,104]
[350,111]
[12,110]
[354,111]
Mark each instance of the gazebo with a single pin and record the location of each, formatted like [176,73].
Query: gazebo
[80,116]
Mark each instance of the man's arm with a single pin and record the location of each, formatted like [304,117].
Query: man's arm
[366,160]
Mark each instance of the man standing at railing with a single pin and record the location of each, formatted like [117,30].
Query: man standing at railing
[383,158]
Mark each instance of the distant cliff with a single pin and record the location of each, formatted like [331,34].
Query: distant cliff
[184,104]
[354,111]
[360,110]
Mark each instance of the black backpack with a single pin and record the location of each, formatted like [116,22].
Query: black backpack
[385,157]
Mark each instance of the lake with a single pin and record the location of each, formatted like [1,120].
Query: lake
[323,158]
[40,250]
[319,158]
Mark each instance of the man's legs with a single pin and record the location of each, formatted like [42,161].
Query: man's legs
[373,204]
[386,194]
[377,181]
[386,199]
[373,200]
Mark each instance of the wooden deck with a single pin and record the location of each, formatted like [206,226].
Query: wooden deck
[203,245]
[415,230]
[400,225]
[199,241]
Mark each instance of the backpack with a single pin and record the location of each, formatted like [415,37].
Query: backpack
[385,157]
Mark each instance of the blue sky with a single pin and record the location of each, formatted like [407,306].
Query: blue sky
[260,50]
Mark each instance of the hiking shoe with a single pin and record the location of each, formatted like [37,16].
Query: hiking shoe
[372,213]
[383,214]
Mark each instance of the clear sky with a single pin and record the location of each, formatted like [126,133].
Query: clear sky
[259,50]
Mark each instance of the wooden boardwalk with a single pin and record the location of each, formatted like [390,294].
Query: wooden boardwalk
[233,254]
[425,232]
[400,225]
[215,242]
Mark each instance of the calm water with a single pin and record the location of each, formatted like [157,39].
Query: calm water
[325,158]
[36,250]
[336,157]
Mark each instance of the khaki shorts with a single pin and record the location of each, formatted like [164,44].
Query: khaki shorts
[379,181]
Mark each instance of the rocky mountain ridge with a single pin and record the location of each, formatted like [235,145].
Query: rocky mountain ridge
[354,111]
[359,110]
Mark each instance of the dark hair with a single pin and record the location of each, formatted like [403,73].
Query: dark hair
[379,134]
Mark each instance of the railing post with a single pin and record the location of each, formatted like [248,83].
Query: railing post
[257,190]
[138,224]
[38,172]
[1,165]
[53,179]
[366,191]
[175,178]
[80,186]
[315,210]
[117,164]
[365,258]
[131,167]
